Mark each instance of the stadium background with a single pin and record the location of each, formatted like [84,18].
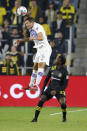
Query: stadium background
[12,95]
[63,31]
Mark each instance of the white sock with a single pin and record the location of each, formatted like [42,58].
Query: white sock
[39,75]
[33,78]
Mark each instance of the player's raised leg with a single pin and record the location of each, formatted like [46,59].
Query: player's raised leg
[43,60]
[34,75]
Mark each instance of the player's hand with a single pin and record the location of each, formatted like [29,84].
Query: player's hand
[19,41]
[31,38]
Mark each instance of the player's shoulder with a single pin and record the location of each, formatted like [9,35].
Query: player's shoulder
[53,68]
[37,25]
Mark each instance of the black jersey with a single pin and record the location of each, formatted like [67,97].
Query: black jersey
[59,78]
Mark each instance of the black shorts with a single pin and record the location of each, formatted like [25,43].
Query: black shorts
[58,95]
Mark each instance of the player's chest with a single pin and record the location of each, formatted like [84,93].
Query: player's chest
[33,33]
[57,74]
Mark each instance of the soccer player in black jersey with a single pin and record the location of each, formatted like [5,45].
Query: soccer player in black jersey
[56,87]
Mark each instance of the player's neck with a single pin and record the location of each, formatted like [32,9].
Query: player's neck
[32,25]
[59,66]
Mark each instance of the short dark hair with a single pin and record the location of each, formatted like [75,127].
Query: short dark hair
[27,17]
[62,59]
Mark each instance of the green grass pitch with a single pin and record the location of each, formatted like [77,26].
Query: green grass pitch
[18,119]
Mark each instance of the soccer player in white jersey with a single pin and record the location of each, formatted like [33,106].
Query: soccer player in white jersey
[42,57]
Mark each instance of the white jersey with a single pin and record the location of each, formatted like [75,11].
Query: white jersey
[37,28]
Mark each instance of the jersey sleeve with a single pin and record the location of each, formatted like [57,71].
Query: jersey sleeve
[65,80]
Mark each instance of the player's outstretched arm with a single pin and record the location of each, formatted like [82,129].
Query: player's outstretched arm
[22,40]
[19,41]
[39,37]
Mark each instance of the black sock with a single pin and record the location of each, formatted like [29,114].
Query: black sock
[38,108]
[64,115]
[63,106]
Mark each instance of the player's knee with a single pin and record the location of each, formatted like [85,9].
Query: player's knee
[62,100]
[63,106]
[35,66]
[42,65]
[53,93]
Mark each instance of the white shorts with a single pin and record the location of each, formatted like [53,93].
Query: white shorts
[43,55]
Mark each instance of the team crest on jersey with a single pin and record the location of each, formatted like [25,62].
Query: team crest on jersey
[60,75]
[33,33]
[53,68]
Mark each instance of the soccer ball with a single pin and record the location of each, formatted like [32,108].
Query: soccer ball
[22,11]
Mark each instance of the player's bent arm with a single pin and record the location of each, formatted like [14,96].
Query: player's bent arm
[39,37]
[65,81]
[22,40]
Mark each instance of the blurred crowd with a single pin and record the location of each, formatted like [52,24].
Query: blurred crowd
[56,17]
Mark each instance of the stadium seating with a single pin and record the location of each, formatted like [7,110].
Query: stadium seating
[80,55]
[28,50]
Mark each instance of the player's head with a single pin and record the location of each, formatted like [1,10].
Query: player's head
[60,59]
[29,21]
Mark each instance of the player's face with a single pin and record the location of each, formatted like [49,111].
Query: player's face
[28,24]
[58,61]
